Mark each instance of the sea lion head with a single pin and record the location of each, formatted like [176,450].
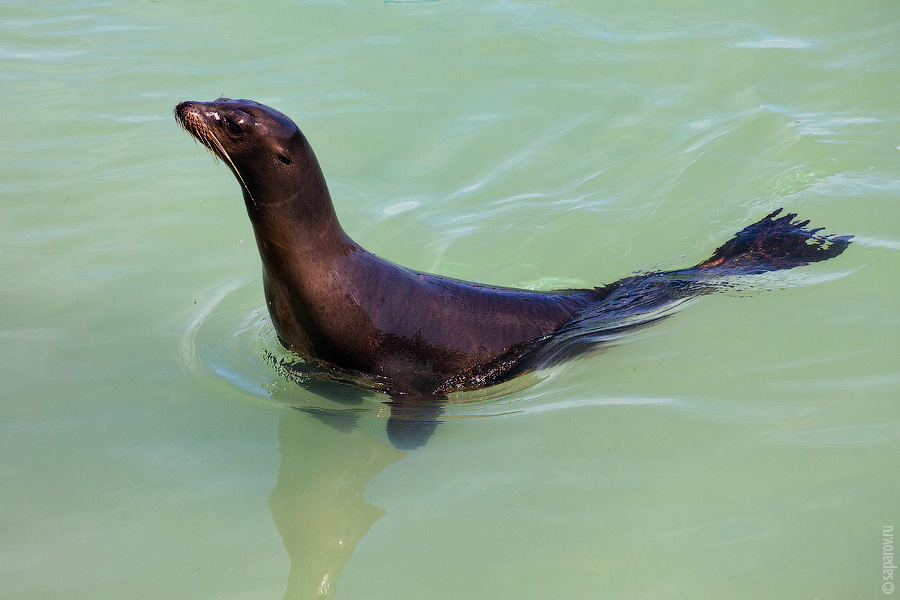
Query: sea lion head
[265,149]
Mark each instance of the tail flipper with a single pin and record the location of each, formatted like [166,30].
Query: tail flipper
[772,244]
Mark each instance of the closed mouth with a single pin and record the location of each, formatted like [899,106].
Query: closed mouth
[193,121]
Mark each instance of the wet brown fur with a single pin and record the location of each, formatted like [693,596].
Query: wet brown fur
[417,334]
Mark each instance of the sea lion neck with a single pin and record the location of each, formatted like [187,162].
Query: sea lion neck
[294,220]
[297,227]
[294,195]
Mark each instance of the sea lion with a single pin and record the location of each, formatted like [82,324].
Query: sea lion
[419,335]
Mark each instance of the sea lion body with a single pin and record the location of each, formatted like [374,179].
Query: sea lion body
[355,310]
[364,314]
[406,331]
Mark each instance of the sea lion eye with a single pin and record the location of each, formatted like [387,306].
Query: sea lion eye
[284,159]
[233,127]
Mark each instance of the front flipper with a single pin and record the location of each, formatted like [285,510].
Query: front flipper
[413,420]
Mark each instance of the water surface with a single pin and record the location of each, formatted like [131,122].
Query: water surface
[745,448]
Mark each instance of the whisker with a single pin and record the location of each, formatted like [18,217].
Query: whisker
[203,134]
[236,172]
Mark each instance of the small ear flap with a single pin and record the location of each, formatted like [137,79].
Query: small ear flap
[283,158]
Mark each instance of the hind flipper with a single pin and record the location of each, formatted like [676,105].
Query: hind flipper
[772,244]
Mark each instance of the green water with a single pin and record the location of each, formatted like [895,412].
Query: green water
[748,447]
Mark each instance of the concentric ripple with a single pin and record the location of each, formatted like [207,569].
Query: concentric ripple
[230,344]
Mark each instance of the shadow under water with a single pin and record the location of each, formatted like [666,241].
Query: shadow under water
[317,503]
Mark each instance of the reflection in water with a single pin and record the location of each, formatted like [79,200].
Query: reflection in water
[328,456]
[317,503]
